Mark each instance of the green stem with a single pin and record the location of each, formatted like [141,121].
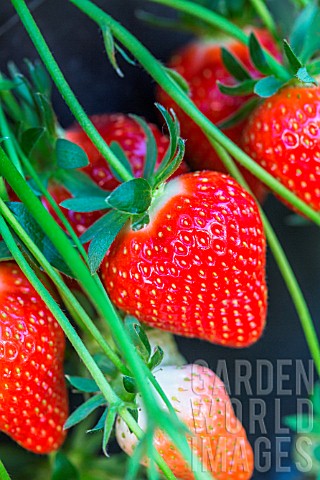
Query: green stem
[79,313]
[157,71]
[283,264]
[8,144]
[217,21]
[4,475]
[263,12]
[66,92]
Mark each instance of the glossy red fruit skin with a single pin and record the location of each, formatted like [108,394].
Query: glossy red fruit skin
[283,136]
[198,268]
[200,63]
[116,127]
[33,394]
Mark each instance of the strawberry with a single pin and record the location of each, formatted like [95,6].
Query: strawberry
[200,63]
[33,395]
[283,136]
[130,136]
[202,403]
[198,268]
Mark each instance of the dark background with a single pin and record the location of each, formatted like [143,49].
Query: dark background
[77,45]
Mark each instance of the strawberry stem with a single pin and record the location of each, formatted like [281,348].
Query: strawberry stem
[4,475]
[158,72]
[218,21]
[283,264]
[65,90]
[263,12]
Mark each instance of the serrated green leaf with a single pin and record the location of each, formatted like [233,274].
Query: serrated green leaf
[156,358]
[104,237]
[83,384]
[293,60]
[84,410]
[244,88]
[32,229]
[179,80]
[110,48]
[122,157]
[152,149]
[234,66]
[70,155]
[5,253]
[100,424]
[63,469]
[30,138]
[105,365]
[79,184]
[241,114]
[268,86]
[303,75]
[257,55]
[85,204]
[131,197]
[129,384]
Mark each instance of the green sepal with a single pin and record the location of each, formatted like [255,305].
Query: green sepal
[39,77]
[69,155]
[268,86]
[258,56]
[6,84]
[108,427]
[37,235]
[174,132]
[105,365]
[110,48]
[244,88]
[169,170]
[63,469]
[240,115]
[178,79]
[304,76]
[48,115]
[304,37]
[100,244]
[5,253]
[138,337]
[140,221]
[83,384]
[79,184]
[30,138]
[156,358]
[122,157]
[151,144]
[131,197]
[85,410]
[294,62]
[129,384]
[100,423]
[85,204]
[234,66]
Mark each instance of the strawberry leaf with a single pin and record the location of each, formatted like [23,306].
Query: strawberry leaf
[303,75]
[70,155]
[6,84]
[39,77]
[234,66]
[156,358]
[79,184]
[268,86]
[110,49]
[108,427]
[5,253]
[179,80]
[30,138]
[129,384]
[100,424]
[120,154]
[244,88]
[85,410]
[63,469]
[114,221]
[105,365]
[293,60]
[174,132]
[257,55]
[85,204]
[163,174]
[83,384]
[138,337]
[240,115]
[48,115]
[132,197]
[152,150]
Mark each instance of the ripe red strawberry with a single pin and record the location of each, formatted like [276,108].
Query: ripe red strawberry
[283,136]
[198,268]
[115,127]
[201,65]
[33,395]
[201,401]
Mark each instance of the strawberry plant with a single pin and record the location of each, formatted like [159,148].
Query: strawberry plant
[108,241]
